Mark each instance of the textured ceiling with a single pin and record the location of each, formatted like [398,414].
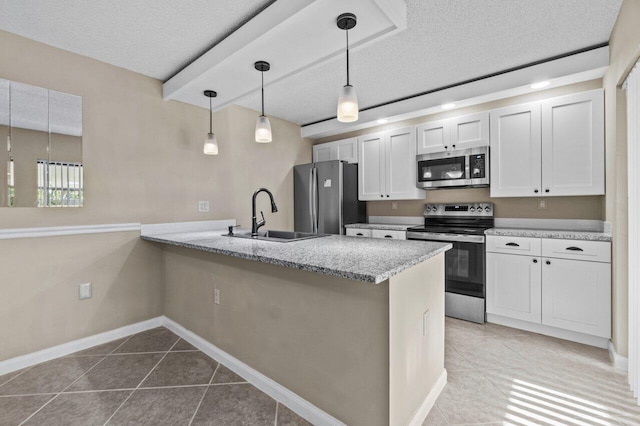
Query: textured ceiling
[153,37]
[447,41]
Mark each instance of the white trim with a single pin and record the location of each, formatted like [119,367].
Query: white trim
[179,227]
[19,362]
[585,339]
[52,231]
[300,406]
[425,408]
[620,362]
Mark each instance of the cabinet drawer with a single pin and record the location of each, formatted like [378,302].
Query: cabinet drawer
[395,235]
[357,232]
[514,245]
[594,251]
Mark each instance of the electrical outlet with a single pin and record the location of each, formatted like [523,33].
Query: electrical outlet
[542,204]
[85,291]
[394,205]
[203,206]
[216,296]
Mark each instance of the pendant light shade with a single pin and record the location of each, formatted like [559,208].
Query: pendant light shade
[263,130]
[263,127]
[348,100]
[210,143]
[348,105]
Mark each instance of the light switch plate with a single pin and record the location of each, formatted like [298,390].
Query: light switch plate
[203,206]
[85,291]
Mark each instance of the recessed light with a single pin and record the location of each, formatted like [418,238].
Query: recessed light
[540,85]
[381,121]
[448,106]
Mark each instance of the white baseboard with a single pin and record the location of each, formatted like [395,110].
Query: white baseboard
[48,354]
[300,406]
[426,406]
[585,339]
[620,362]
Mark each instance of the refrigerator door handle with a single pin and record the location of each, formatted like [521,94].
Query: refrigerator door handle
[315,200]
[311,221]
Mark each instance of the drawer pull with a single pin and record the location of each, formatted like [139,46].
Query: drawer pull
[360,234]
[574,249]
[388,236]
[512,244]
[548,262]
[535,260]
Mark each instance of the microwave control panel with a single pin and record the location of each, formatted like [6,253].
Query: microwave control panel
[477,166]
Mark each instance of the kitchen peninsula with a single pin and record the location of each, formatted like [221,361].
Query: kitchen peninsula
[355,327]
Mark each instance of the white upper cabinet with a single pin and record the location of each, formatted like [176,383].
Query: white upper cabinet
[434,137]
[549,148]
[470,131]
[573,144]
[467,131]
[387,166]
[516,151]
[371,167]
[344,150]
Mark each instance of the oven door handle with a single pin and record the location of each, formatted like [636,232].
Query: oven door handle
[476,239]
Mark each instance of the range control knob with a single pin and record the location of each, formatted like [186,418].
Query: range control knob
[427,209]
[487,209]
[472,209]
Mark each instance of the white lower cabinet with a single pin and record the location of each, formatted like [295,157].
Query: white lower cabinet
[576,295]
[561,285]
[514,286]
[357,232]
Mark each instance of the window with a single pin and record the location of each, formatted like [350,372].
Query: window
[59,184]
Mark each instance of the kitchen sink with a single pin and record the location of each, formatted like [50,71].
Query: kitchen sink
[279,236]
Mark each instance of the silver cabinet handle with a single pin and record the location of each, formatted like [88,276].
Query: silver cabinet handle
[574,249]
[512,245]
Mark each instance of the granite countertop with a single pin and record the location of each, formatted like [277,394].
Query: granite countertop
[384,226]
[370,260]
[550,233]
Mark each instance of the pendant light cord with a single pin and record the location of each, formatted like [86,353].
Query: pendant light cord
[210,116]
[262,91]
[347,31]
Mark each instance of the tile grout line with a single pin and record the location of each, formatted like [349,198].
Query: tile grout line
[60,393]
[205,392]
[19,374]
[145,378]
[275,421]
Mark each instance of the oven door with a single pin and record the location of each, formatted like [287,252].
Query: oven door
[442,172]
[464,269]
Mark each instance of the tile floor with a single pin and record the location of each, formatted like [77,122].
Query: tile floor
[498,375]
[150,378]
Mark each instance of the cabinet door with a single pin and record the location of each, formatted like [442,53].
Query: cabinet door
[322,152]
[434,137]
[516,151]
[371,167]
[401,165]
[573,144]
[470,131]
[576,295]
[347,150]
[357,232]
[514,286]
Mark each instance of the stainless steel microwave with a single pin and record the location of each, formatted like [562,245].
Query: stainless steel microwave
[451,169]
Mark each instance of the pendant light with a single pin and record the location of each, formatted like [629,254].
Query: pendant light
[263,127]
[210,143]
[348,101]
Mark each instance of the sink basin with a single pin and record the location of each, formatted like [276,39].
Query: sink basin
[280,236]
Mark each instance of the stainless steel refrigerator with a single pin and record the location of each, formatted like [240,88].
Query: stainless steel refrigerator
[326,197]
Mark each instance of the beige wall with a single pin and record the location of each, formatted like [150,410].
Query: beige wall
[143,163]
[309,332]
[557,207]
[624,52]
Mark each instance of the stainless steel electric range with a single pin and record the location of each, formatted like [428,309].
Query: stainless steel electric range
[463,225]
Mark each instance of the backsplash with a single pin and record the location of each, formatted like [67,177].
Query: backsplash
[591,207]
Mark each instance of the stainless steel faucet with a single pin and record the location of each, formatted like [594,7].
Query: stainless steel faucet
[255,225]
